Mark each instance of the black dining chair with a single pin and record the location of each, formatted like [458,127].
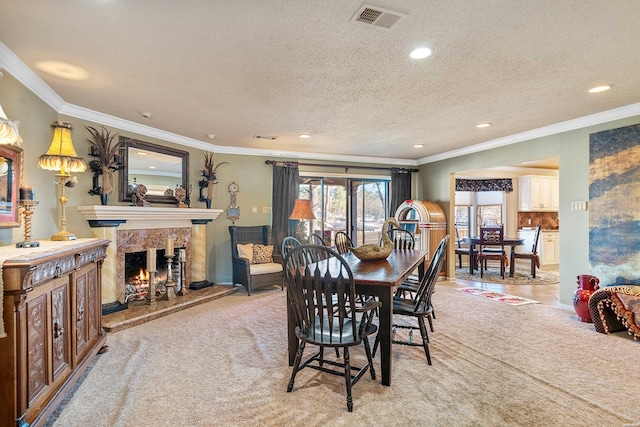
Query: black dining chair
[420,306]
[324,303]
[342,242]
[533,255]
[316,239]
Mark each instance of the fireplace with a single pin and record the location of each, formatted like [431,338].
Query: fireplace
[135,229]
[137,276]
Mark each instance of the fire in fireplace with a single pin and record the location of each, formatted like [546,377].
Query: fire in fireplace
[137,277]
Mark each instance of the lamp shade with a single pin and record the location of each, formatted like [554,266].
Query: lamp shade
[302,210]
[61,155]
[8,130]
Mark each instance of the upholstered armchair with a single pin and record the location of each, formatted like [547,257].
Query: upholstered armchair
[252,257]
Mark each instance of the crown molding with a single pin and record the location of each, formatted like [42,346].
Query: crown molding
[569,125]
[14,66]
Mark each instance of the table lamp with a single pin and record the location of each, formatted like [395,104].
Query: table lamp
[302,211]
[62,157]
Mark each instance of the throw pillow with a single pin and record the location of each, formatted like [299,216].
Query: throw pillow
[262,254]
[246,251]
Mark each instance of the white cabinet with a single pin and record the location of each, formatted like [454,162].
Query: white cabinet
[538,193]
[548,245]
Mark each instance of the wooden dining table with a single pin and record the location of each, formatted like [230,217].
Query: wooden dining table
[513,242]
[378,279]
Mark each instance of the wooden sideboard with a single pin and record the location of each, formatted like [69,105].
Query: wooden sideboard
[53,320]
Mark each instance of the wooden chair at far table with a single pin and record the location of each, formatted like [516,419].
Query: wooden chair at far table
[420,305]
[324,303]
[533,255]
[460,250]
[491,247]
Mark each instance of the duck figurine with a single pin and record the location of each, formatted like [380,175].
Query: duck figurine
[371,252]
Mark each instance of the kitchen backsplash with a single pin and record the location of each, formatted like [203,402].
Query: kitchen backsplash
[547,220]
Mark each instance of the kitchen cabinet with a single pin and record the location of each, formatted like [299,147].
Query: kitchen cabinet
[549,253]
[53,321]
[538,193]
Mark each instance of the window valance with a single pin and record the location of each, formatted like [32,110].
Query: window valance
[501,184]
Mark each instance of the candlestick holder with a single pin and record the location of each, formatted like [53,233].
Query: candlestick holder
[183,275]
[170,284]
[151,294]
[27,210]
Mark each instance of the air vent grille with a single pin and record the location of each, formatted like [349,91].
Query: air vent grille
[265,137]
[376,16]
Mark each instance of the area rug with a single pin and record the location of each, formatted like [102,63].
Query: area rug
[520,277]
[497,296]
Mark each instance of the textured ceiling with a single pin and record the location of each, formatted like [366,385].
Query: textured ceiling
[285,67]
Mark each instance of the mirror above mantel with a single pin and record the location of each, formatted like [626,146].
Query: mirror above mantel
[161,169]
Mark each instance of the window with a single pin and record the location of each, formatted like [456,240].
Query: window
[357,206]
[474,209]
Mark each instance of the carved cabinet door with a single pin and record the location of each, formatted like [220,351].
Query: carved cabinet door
[88,309]
[48,357]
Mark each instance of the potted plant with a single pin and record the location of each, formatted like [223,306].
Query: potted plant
[106,160]
[210,179]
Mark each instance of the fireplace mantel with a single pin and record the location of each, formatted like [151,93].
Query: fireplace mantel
[100,213]
[108,222]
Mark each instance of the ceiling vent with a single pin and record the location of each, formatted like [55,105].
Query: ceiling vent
[376,16]
[265,137]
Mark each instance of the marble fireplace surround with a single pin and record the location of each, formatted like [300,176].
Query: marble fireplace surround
[134,229]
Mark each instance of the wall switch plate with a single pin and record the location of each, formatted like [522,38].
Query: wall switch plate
[266,209]
[580,206]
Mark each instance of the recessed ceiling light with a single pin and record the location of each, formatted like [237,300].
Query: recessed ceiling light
[483,125]
[599,88]
[304,136]
[418,146]
[63,70]
[211,135]
[420,53]
[152,167]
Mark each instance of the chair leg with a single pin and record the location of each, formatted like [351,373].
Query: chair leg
[533,268]
[347,376]
[367,350]
[430,323]
[425,338]
[296,365]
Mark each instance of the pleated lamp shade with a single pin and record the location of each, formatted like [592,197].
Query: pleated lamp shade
[61,155]
[302,210]
[8,130]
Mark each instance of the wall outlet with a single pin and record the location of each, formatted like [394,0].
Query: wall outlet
[254,209]
[266,209]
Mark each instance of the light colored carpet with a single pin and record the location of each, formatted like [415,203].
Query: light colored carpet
[522,276]
[224,363]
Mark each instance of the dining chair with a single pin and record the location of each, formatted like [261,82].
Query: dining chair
[533,255]
[316,239]
[459,250]
[420,306]
[343,242]
[401,238]
[288,243]
[322,297]
[491,247]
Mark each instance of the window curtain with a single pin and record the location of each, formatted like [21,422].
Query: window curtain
[286,189]
[502,184]
[400,189]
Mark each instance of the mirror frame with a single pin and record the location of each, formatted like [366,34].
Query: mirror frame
[11,219]
[126,143]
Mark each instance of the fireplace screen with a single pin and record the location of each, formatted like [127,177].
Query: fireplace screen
[137,277]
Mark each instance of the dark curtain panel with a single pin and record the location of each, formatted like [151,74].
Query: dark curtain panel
[286,189]
[400,189]
[499,184]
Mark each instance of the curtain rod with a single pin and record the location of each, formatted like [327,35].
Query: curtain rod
[346,167]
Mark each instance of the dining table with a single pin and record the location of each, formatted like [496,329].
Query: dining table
[513,242]
[378,279]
